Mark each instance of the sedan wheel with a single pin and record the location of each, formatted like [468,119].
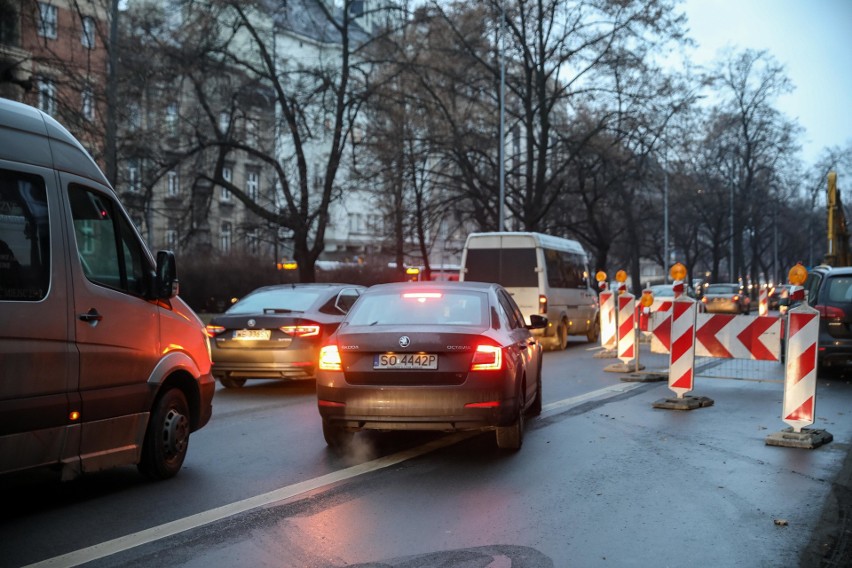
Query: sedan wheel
[230,383]
[512,437]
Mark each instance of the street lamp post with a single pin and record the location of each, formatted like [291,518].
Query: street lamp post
[501,213]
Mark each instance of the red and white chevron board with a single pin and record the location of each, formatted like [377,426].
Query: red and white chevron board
[763,302]
[609,330]
[682,356]
[738,337]
[800,373]
[660,326]
[626,327]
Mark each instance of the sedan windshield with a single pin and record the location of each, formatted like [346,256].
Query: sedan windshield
[287,299]
[420,307]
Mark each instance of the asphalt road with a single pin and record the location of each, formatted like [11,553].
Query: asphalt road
[603,479]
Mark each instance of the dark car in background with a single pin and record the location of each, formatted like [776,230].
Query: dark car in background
[779,296]
[442,356]
[275,332]
[725,298]
[829,291]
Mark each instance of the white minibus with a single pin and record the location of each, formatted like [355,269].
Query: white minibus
[545,274]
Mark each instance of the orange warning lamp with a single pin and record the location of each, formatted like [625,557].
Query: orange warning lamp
[600,276]
[678,271]
[798,274]
[621,276]
[647,298]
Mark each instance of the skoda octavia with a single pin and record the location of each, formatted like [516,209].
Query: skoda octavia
[443,356]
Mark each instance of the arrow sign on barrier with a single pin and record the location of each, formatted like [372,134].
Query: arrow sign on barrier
[738,337]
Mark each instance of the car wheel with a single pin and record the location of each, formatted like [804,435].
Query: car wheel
[230,383]
[594,332]
[167,437]
[535,409]
[512,437]
[336,436]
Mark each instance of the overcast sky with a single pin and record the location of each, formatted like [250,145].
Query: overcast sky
[811,38]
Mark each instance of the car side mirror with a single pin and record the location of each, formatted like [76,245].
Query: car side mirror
[166,282]
[537,322]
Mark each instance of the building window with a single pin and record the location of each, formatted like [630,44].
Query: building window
[251,132]
[172,118]
[253,241]
[88,104]
[47,96]
[133,175]
[224,121]
[171,239]
[356,223]
[134,116]
[173,188]
[88,36]
[47,20]
[252,185]
[225,237]
[228,176]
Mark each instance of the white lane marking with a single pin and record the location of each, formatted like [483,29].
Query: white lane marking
[172,528]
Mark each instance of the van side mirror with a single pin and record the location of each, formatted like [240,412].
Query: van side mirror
[166,283]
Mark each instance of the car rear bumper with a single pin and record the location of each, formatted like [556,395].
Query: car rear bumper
[264,363]
[834,353]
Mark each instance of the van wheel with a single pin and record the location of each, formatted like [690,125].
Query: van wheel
[594,333]
[563,335]
[167,437]
[230,383]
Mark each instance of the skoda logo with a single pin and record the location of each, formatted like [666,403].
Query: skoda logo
[404,341]
[251,323]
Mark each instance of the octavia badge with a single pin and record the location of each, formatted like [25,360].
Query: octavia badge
[404,341]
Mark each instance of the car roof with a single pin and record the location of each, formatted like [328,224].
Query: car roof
[304,286]
[434,285]
[832,269]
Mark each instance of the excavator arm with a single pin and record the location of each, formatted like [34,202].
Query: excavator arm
[838,234]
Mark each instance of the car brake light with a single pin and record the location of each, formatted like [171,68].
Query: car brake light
[542,304]
[422,296]
[487,358]
[736,298]
[830,312]
[213,330]
[301,330]
[329,359]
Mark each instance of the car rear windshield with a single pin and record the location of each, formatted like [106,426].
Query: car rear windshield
[511,268]
[293,300]
[721,289]
[838,290]
[420,307]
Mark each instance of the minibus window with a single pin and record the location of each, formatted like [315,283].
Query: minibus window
[24,238]
[511,268]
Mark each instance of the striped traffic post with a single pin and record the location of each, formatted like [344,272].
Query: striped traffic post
[682,350]
[800,373]
[626,327]
[609,330]
[763,302]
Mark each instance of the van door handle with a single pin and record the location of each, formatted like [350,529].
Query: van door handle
[91,316]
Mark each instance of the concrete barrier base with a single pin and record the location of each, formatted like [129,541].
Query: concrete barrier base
[606,354]
[685,403]
[623,367]
[807,438]
[646,377]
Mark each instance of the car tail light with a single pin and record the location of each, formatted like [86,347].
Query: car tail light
[829,312]
[329,359]
[736,298]
[213,330]
[542,304]
[301,330]
[487,358]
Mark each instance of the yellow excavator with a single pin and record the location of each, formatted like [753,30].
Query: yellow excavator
[838,234]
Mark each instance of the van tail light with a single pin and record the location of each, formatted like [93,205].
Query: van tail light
[542,304]
[329,359]
[213,330]
[830,312]
[309,330]
[487,358]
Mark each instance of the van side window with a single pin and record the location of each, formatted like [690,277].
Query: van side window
[108,249]
[24,237]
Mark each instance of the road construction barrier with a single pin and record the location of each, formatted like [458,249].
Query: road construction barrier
[626,327]
[660,326]
[738,337]
[801,367]
[682,353]
[609,330]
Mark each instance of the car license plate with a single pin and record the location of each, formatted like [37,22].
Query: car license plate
[405,361]
[253,334]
